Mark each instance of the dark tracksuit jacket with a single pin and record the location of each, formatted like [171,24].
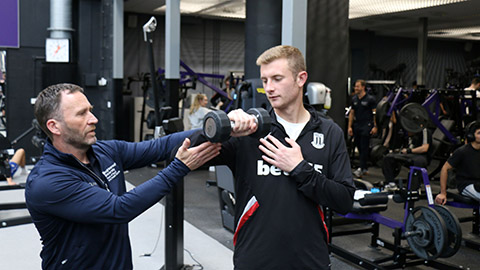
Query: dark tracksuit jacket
[83,222]
[279,218]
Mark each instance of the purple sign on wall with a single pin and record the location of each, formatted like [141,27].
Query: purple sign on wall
[9,23]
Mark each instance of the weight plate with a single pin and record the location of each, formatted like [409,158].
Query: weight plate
[216,126]
[454,231]
[264,122]
[426,232]
[413,117]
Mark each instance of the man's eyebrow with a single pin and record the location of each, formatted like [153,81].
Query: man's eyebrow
[274,75]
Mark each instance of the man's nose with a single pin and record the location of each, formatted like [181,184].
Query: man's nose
[268,86]
[93,120]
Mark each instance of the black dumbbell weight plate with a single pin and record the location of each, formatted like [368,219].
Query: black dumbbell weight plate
[264,122]
[216,126]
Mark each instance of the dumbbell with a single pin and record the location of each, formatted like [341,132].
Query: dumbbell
[217,126]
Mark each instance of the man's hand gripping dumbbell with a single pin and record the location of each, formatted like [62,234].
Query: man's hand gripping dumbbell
[219,127]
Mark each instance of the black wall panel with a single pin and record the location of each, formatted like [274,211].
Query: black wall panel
[24,66]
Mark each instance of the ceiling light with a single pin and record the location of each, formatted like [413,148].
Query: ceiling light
[457,33]
[365,8]
[222,8]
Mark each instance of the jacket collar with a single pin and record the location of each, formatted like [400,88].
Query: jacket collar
[315,118]
[314,122]
[49,151]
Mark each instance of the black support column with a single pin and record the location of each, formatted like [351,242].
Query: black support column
[327,50]
[174,204]
[422,50]
[263,29]
[94,43]
[174,228]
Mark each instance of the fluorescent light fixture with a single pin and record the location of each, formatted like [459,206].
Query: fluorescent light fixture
[227,9]
[357,8]
[365,8]
[216,8]
[162,8]
[472,33]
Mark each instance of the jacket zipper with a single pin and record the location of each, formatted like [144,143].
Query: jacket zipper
[100,180]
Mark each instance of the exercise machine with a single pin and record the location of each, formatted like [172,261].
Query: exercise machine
[431,231]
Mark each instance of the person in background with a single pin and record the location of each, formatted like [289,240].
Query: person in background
[198,111]
[415,153]
[76,193]
[221,102]
[414,85]
[475,85]
[362,124]
[465,161]
[12,165]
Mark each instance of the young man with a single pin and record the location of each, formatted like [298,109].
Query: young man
[76,193]
[284,181]
[361,124]
[465,160]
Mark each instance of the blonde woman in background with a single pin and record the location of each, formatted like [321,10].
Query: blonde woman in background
[198,111]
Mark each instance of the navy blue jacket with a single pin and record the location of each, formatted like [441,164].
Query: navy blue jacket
[82,213]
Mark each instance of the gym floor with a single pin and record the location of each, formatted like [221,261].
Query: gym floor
[211,244]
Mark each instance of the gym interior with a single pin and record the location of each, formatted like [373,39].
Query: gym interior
[418,59]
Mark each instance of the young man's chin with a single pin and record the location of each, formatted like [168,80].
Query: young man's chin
[275,102]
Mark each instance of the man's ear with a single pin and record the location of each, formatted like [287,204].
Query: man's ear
[302,77]
[53,126]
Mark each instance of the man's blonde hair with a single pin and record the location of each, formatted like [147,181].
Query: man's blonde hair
[294,56]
